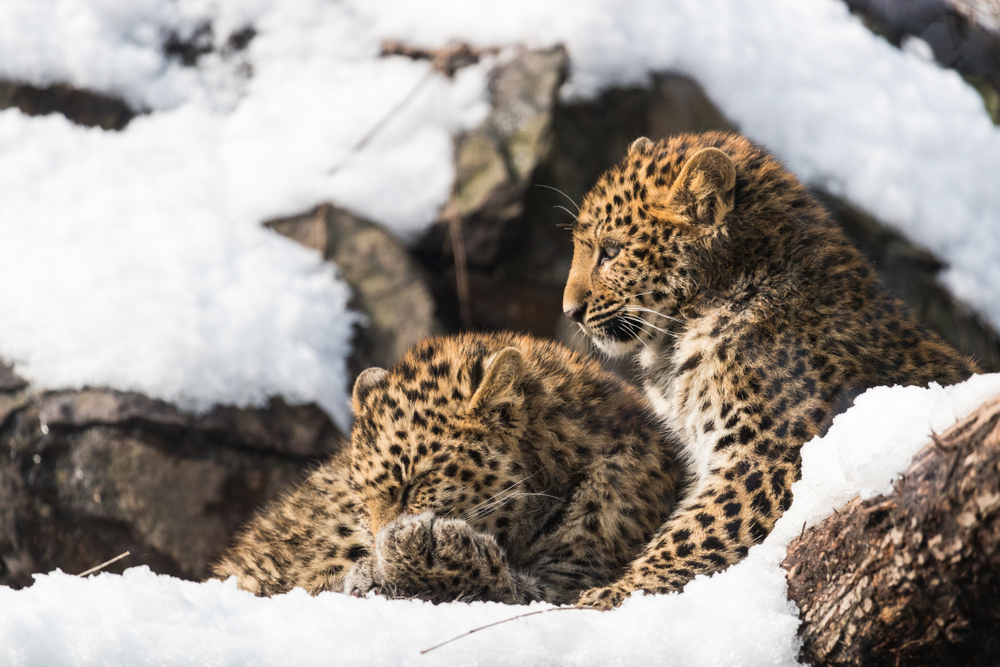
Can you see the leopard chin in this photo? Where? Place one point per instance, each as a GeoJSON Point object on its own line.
{"type": "Point", "coordinates": [613, 347]}
{"type": "Point", "coordinates": [614, 336]}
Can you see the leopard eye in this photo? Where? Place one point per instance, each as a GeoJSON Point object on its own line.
{"type": "Point", "coordinates": [608, 252]}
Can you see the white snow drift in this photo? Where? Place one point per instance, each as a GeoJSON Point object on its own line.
{"type": "Point", "coordinates": [136, 259]}
{"type": "Point", "coordinates": [738, 617]}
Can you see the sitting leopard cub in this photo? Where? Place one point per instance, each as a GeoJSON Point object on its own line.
{"type": "Point", "coordinates": [754, 321]}
{"type": "Point", "coordinates": [482, 467]}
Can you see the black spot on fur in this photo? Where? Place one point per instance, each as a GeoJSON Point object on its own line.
{"type": "Point", "coordinates": [690, 363]}
{"type": "Point", "coordinates": [476, 374]}
{"type": "Point", "coordinates": [725, 441]}
{"type": "Point", "coordinates": [713, 544]}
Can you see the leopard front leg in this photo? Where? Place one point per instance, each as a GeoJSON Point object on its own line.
{"type": "Point", "coordinates": [743, 438]}
{"type": "Point", "coordinates": [440, 560]}
{"type": "Point", "coordinates": [735, 508]}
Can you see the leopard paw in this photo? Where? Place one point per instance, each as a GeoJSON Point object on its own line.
{"type": "Point", "coordinates": [604, 598]}
{"type": "Point", "coordinates": [360, 579]}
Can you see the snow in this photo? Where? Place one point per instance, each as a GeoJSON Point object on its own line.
{"type": "Point", "coordinates": [738, 617]}
{"type": "Point", "coordinates": [136, 259]}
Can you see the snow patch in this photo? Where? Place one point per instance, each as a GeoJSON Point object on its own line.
{"type": "Point", "coordinates": [134, 259]}
{"type": "Point", "coordinates": [738, 617]}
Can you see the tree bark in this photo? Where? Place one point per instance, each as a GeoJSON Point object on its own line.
{"type": "Point", "coordinates": [912, 578]}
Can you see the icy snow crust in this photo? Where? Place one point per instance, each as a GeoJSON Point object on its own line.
{"type": "Point", "coordinates": [136, 259]}
{"type": "Point", "coordinates": [738, 617]}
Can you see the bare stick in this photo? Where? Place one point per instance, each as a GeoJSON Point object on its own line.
{"type": "Point", "coordinates": [395, 110]}
{"type": "Point", "coordinates": [508, 620]}
{"type": "Point", "coordinates": [447, 61]}
{"type": "Point", "coordinates": [319, 229]}
{"type": "Point", "coordinates": [388, 117]}
{"type": "Point", "coordinates": [105, 564]}
{"type": "Point", "coordinates": [461, 268]}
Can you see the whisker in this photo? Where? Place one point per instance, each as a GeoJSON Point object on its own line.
{"type": "Point", "coordinates": [475, 512]}
{"type": "Point", "coordinates": [641, 294]}
{"type": "Point", "coordinates": [568, 211]}
{"type": "Point", "coordinates": [321, 475]}
{"type": "Point", "coordinates": [637, 336]}
{"type": "Point", "coordinates": [506, 499]}
{"type": "Point", "coordinates": [549, 187]}
{"type": "Point", "coordinates": [498, 493]}
{"type": "Point", "coordinates": [650, 310]}
{"type": "Point", "coordinates": [544, 495]}
{"type": "Point", "coordinates": [638, 318]}
{"type": "Point", "coordinates": [492, 507]}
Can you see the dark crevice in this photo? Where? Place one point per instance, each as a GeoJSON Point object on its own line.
{"type": "Point", "coordinates": [82, 107]}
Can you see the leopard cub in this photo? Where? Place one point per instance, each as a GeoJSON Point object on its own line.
{"type": "Point", "coordinates": [482, 467]}
{"type": "Point", "coordinates": [754, 322]}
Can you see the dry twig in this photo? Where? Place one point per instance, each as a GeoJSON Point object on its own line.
{"type": "Point", "coordinates": [105, 564]}
{"type": "Point", "coordinates": [447, 61]}
{"type": "Point", "coordinates": [508, 620]}
{"type": "Point", "coordinates": [461, 266]}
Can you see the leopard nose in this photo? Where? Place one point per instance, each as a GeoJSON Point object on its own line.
{"type": "Point", "coordinates": [575, 314]}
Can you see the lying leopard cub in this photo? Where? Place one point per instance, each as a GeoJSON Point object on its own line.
{"type": "Point", "coordinates": [487, 467]}
{"type": "Point", "coordinates": [754, 321]}
{"type": "Point", "coordinates": [309, 538]}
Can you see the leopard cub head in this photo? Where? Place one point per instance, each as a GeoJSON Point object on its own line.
{"type": "Point", "coordinates": [651, 236]}
{"type": "Point", "coordinates": [436, 433]}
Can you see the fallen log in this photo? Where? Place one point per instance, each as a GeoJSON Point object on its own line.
{"type": "Point", "coordinates": [911, 578]}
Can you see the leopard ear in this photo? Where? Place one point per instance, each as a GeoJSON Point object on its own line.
{"type": "Point", "coordinates": [365, 383]}
{"type": "Point", "coordinates": [705, 191]}
{"type": "Point", "coordinates": [640, 145]}
{"type": "Point", "coordinates": [499, 385]}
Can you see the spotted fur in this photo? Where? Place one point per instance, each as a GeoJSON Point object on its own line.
{"type": "Point", "coordinates": [482, 467]}
{"type": "Point", "coordinates": [309, 538]}
{"type": "Point", "coordinates": [754, 322]}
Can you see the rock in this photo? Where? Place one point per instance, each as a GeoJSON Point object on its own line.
{"type": "Point", "coordinates": [15, 563]}
{"type": "Point", "coordinates": [389, 286]}
{"type": "Point", "coordinates": [9, 380]}
{"type": "Point", "coordinates": [94, 109]}
{"type": "Point", "coordinates": [83, 107]}
{"type": "Point", "coordinates": [985, 13]}
{"type": "Point", "coordinates": [183, 507]}
{"type": "Point", "coordinates": [494, 162]}
{"type": "Point", "coordinates": [86, 475]}
{"type": "Point", "coordinates": [298, 430]}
